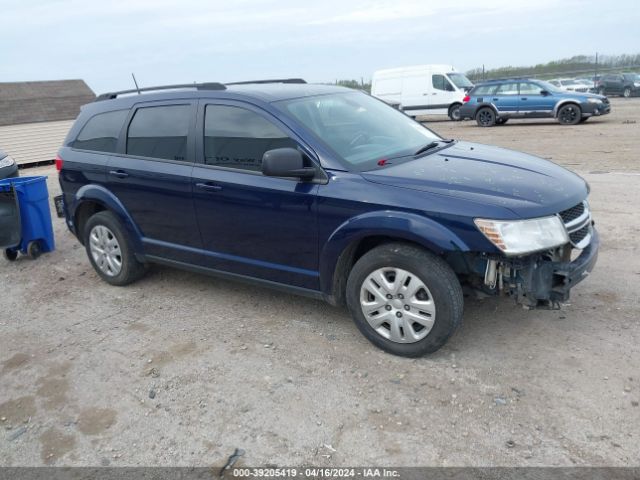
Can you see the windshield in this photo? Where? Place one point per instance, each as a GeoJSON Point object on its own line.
{"type": "Point", "coordinates": [549, 87]}
{"type": "Point", "coordinates": [360, 129]}
{"type": "Point", "coordinates": [459, 80]}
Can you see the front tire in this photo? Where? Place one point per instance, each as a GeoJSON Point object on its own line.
{"type": "Point", "coordinates": [454, 112]}
{"type": "Point", "coordinates": [109, 250]}
{"type": "Point", "coordinates": [626, 93]}
{"type": "Point", "coordinates": [486, 117]}
{"type": "Point", "coordinates": [404, 299]}
{"type": "Point", "coordinates": [569, 114]}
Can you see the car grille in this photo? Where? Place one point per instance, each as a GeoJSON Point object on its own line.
{"type": "Point", "coordinates": [579, 235]}
{"type": "Point", "coordinates": [572, 213]}
{"type": "Point", "coordinates": [577, 221]}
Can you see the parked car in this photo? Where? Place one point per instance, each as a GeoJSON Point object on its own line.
{"type": "Point", "coordinates": [326, 192]}
{"type": "Point", "coordinates": [8, 166]}
{"type": "Point", "coordinates": [422, 89]}
{"type": "Point", "coordinates": [570, 85]}
{"type": "Point", "coordinates": [495, 102]}
{"type": "Point", "coordinates": [625, 84]}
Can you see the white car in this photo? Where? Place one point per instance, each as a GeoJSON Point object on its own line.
{"type": "Point", "coordinates": [570, 85]}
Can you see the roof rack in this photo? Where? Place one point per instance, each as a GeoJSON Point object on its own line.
{"type": "Point", "coordinates": [197, 86]}
{"type": "Point", "coordinates": [277, 80]}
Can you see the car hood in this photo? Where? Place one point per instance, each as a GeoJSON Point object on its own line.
{"type": "Point", "coordinates": [529, 186]}
{"type": "Point", "coordinates": [582, 95]}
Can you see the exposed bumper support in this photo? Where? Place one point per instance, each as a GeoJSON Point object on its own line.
{"type": "Point", "coordinates": [543, 283]}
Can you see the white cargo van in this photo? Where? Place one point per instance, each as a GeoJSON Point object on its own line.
{"type": "Point", "coordinates": [422, 89]}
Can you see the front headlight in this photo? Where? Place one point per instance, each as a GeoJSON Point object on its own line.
{"type": "Point", "coordinates": [7, 162]}
{"type": "Point", "coordinates": [637, 84]}
{"type": "Point", "coordinates": [594, 100]}
{"type": "Point", "coordinates": [520, 237]}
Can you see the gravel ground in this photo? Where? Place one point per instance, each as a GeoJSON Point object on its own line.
{"type": "Point", "coordinates": [180, 369]}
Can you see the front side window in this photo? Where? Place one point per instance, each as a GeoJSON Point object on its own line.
{"type": "Point", "coordinates": [507, 89]}
{"type": "Point", "coordinates": [101, 132]}
{"type": "Point", "coordinates": [360, 129]}
{"type": "Point", "coordinates": [160, 132]}
{"type": "Point", "coordinates": [529, 88]}
{"type": "Point", "coordinates": [235, 137]}
{"type": "Point", "coordinates": [440, 82]}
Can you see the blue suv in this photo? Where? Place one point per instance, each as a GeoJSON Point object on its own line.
{"type": "Point", "coordinates": [495, 102]}
{"type": "Point", "coordinates": [321, 191]}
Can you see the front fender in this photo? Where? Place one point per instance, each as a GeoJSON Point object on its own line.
{"type": "Point", "coordinates": [399, 225]}
{"type": "Point", "coordinates": [103, 197]}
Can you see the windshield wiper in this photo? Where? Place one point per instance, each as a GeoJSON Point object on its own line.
{"type": "Point", "coordinates": [431, 145]}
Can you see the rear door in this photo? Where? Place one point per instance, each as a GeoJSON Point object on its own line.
{"type": "Point", "coordinates": [506, 98]}
{"type": "Point", "coordinates": [416, 94]}
{"type": "Point", "coordinates": [151, 175]}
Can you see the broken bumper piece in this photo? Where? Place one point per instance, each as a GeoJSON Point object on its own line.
{"type": "Point", "coordinates": [544, 283]}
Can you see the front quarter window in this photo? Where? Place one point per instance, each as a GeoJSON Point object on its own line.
{"type": "Point", "coordinates": [360, 129]}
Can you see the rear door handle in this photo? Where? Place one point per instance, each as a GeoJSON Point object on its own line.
{"type": "Point", "coordinates": [119, 173]}
{"type": "Point", "coordinates": [209, 187]}
{"type": "Point", "coordinates": [523, 98]}
{"type": "Point", "coordinates": [496, 99]}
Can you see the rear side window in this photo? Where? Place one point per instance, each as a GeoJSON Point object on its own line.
{"type": "Point", "coordinates": [101, 132]}
{"type": "Point", "coordinates": [484, 90]}
{"type": "Point", "coordinates": [235, 137]}
{"type": "Point", "coordinates": [160, 132]}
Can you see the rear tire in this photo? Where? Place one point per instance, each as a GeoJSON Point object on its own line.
{"type": "Point", "coordinates": [454, 112]}
{"type": "Point", "coordinates": [569, 114]}
{"type": "Point", "coordinates": [486, 117]}
{"type": "Point", "coordinates": [34, 250]}
{"type": "Point", "coordinates": [109, 250]}
{"type": "Point", "coordinates": [626, 93]}
{"type": "Point", "coordinates": [413, 326]}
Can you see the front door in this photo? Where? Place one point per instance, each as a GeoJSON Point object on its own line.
{"type": "Point", "coordinates": [251, 224]}
{"type": "Point", "coordinates": [151, 175]}
{"type": "Point", "coordinates": [533, 103]}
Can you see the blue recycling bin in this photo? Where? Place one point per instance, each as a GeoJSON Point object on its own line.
{"type": "Point", "coordinates": [25, 217]}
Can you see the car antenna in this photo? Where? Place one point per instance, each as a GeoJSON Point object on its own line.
{"type": "Point", "coordinates": [135, 82]}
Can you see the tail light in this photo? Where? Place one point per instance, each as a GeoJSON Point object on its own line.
{"type": "Point", "coordinates": [59, 163]}
{"type": "Point", "coordinates": [466, 99]}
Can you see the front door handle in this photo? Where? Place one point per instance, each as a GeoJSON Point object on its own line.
{"type": "Point", "coordinates": [118, 173]}
{"type": "Point", "coordinates": [496, 99]}
{"type": "Point", "coordinates": [523, 98]}
{"type": "Point", "coordinates": [209, 187]}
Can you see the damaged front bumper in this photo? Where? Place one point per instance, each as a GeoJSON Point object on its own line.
{"type": "Point", "coordinates": [540, 282]}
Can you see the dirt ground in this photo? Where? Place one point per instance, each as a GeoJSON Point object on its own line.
{"type": "Point", "coordinates": [180, 369]}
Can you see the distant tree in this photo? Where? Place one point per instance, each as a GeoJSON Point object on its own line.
{"type": "Point", "coordinates": [574, 66]}
{"type": "Point", "coordinates": [355, 84]}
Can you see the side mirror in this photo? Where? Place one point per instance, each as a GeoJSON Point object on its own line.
{"type": "Point", "coordinates": [544, 93]}
{"type": "Point", "coordinates": [285, 162]}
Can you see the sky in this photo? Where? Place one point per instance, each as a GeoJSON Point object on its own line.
{"type": "Point", "coordinates": [167, 42]}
